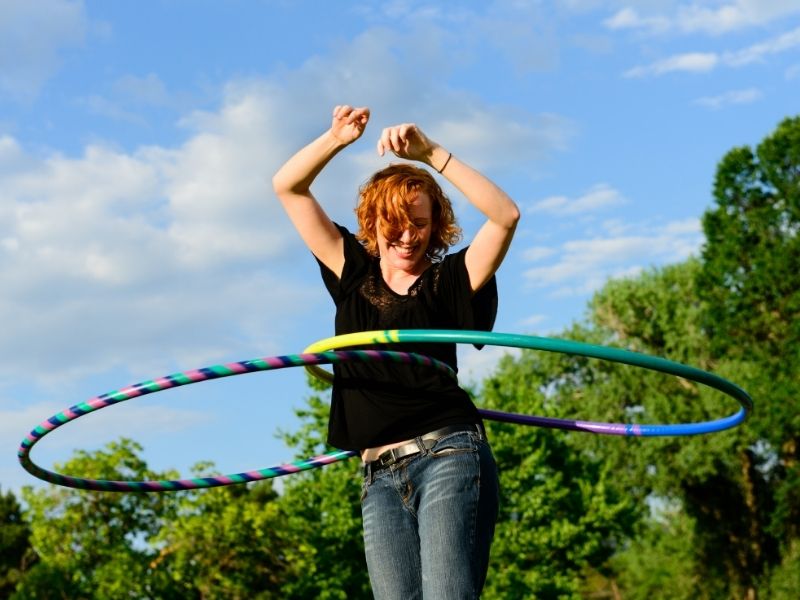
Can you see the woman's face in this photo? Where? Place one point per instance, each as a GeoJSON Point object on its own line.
{"type": "Point", "coordinates": [407, 252]}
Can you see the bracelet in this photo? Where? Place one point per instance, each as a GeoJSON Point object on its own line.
{"type": "Point", "coordinates": [449, 156]}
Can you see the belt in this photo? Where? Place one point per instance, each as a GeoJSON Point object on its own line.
{"type": "Point", "coordinates": [427, 441]}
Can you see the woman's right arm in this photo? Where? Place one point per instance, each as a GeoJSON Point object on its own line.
{"type": "Point", "coordinates": [292, 185]}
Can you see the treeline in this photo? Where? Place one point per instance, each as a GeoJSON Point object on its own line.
{"type": "Point", "coordinates": [582, 516]}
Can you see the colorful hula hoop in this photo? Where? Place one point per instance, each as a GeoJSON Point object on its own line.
{"type": "Point", "coordinates": [370, 338]}
{"type": "Point", "coordinates": [322, 352]}
{"type": "Point", "coordinates": [197, 376]}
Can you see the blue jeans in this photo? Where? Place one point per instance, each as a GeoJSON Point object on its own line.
{"type": "Point", "coordinates": [429, 521]}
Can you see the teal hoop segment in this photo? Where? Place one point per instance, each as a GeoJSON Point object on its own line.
{"type": "Point", "coordinates": [511, 340]}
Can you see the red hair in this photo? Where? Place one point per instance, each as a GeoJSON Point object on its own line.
{"type": "Point", "coordinates": [388, 195]}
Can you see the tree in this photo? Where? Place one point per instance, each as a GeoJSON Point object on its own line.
{"type": "Point", "coordinates": [751, 282]}
{"type": "Point", "coordinates": [720, 482]}
{"type": "Point", "coordinates": [560, 513]}
{"type": "Point", "coordinates": [95, 544]}
{"type": "Point", "coordinates": [16, 554]}
{"type": "Point", "coordinates": [659, 561]}
{"type": "Point", "coordinates": [751, 274]}
{"type": "Point", "coordinates": [784, 581]}
{"type": "Point", "coordinates": [751, 258]}
{"type": "Point", "coordinates": [225, 543]}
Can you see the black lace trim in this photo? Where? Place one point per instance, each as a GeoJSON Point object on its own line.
{"type": "Point", "coordinates": [374, 289]}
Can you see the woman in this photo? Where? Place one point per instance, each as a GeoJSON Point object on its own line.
{"type": "Point", "coordinates": [430, 492]}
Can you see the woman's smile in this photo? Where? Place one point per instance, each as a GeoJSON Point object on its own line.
{"type": "Point", "coordinates": [407, 252]}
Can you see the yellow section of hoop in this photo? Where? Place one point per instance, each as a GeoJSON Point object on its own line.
{"type": "Point", "coordinates": [347, 340]}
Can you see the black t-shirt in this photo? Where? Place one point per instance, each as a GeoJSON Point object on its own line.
{"type": "Point", "coordinates": [380, 403]}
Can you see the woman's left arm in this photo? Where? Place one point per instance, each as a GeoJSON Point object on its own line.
{"type": "Point", "coordinates": [490, 244]}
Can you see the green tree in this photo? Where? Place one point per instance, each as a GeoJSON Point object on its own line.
{"type": "Point", "coordinates": [720, 481]}
{"type": "Point", "coordinates": [96, 544]}
{"type": "Point", "coordinates": [16, 554]}
{"type": "Point", "coordinates": [751, 283]}
{"type": "Point", "coordinates": [228, 542]}
{"type": "Point", "coordinates": [751, 258]}
{"type": "Point", "coordinates": [659, 561]}
{"type": "Point", "coordinates": [225, 543]}
{"type": "Point", "coordinates": [784, 580]}
{"type": "Point", "coordinates": [560, 512]}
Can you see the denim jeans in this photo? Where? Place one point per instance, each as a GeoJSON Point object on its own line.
{"type": "Point", "coordinates": [429, 521]}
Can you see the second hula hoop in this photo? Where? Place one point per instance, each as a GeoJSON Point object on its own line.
{"type": "Point", "coordinates": [618, 355]}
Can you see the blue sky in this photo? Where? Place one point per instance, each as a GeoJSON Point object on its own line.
{"type": "Point", "coordinates": [139, 235]}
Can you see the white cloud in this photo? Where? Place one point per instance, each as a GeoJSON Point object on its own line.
{"type": "Point", "coordinates": [537, 253]}
{"type": "Point", "coordinates": [691, 62]}
{"type": "Point", "coordinates": [629, 18]}
{"type": "Point", "coordinates": [521, 32]}
{"type": "Point", "coordinates": [757, 52]}
{"type": "Point", "coordinates": [597, 198]}
{"type": "Point", "coordinates": [584, 265]}
{"type": "Point", "coordinates": [139, 260]}
{"type": "Point", "coordinates": [31, 36]}
{"type": "Point", "coordinates": [689, 226]}
{"type": "Point", "coordinates": [704, 62]}
{"type": "Point", "coordinates": [111, 259]}
{"type": "Point", "coordinates": [104, 107]}
{"type": "Point", "coordinates": [732, 16]}
{"type": "Point", "coordinates": [747, 96]}
{"type": "Point", "coordinates": [133, 98]}
{"type": "Point", "coordinates": [617, 227]}
{"type": "Point", "coordinates": [698, 17]}
{"type": "Point", "coordinates": [485, 137]}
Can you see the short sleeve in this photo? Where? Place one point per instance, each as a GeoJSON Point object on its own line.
{"type": "Point", "coordinates": [356, 262]}
{"type": "Point", "coordinates": [467, 310]}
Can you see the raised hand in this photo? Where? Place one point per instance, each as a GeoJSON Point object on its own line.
{"type": "Point", "coordinates": [348, 123]}
{"type": "Point", "coordinates": [406, 141]}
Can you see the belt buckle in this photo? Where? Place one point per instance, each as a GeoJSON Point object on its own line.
{"type": "Point", "coordinates": [394, 456]}
{"type": "Point", "coordinates": [384, 460]}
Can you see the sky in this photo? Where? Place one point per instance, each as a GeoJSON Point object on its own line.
{"type": "Point", "coordinates": [139, 234]}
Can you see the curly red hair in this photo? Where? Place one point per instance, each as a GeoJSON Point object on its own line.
{"type": "Point", "coordinates": [387, 196]}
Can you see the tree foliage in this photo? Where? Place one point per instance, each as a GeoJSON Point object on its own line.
{"type": "Point", "coordinates": [718, 482]}
{"type": "Point", "coordinates": [751, 258]}
{"type": "Point", "coordinates": [559, 513]}
{"type": "Point", "coordinates": [751, 262]}
{"type": "Point", "coordinates": [16, 554]}
{"type": "Point", "coordinates": [751, 283]}
{"type": "Point", "coordinates": [95, 544]}
{"type": "Point", "coordinates": [224, 543]}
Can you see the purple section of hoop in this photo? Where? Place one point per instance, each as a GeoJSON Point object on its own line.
{"type": "Point", "coordinates": [570, 425]}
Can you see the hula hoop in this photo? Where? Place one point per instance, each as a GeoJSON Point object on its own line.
{"type": "Point", "coordinates": [197, 376]}
{"type": "Point", "coordinates": [321, 352]}
{"type": "Point", "coordinates": [653, 363]}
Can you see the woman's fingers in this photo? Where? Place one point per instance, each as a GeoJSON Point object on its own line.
{"type": "Point", "coordinates": [350, 114]}
{"type": "Point", "coordinates": [341, 111]}
{"type": "Point", "coordinates": [360, 115]}
{"type": "Point", "coordinates": [405, 140]}
{"type": "Point", "coordinates": [348, 122]}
